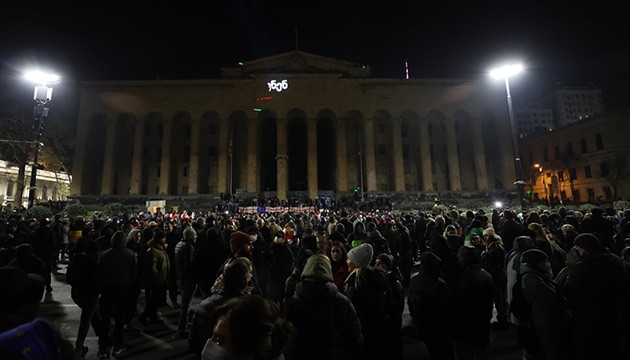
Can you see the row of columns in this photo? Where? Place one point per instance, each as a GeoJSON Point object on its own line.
{"type": "Point", "coordinates": [109, 161]}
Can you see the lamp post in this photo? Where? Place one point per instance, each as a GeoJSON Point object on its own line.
{"type": "Point", "coordinates": [504, 73]}
{"type": "Point", "coordinates": [42, 95]}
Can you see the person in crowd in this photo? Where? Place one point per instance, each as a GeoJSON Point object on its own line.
{"type": "Point", "coordinates": [493, 261]}
{"type": "Point", "coordinates": [82, 275]}
{"type": "Point", "coordinates": [472, 307]}
{"type": "Point", "coordinates": [236, 276]}
{"type": "Point", "coordinates": [547, 243]}
{"type": "Point", "coordinates": [450, 268]}
{"type": "Point", "coordinates": [211, 251]}
{"type": "Point", "coordinates": [261, 255]}
{"type": "Point", "coordinates": [293, 279]}
{"type": "Point", "coordinates": [366, 287]}
{"type": "Point", "coordinates": [26, 259]}
{"type": "Point", "coordinates": [184, 258]}
{"type": "Point", "coordinates": [172, 239]}
{"type": "Point", "coordinates": [21, 296]}
{"type": "Point", "coordinates": [453, 239]}
{"type": "Point", "coordinates": [338, 259]}
{"type": "Point", "coordinates": [573, 256]}
{"type": "Point", "coordinates": [394, 305]}
{"type": "Point", "coordinates": [431, 307]}
{"type": "Point", "coordinates": [548, 308]}
{"type": "Point", "coordinates": [376, 240]}
{"type": "Point", "coordinates": [117, 270]}
{"type": "Point", "coordinates": [44, 246]}
{"type": "Point", "coordinates": [598, 293]}
{"type": "Point", "coordinates": [325, 321]}
{"type": "Point", "coordinates": [156, 270]}
{"type": "Point", "coordinates": [510, 229]}
{"type": "Point", "coordinates": [358, 235]}
{"type": "Point", "coordinates": [512, 264]}
{"type": "Point", "coordinates": [280, 260]}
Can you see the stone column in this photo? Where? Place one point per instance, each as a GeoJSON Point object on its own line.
{"type": "Point", "coordinates": [79, 157]}
{"type": "Point", "coordinates": [107, 186]}
{"type": "Point", "coordinates": [425, 155]}
{"type": "Point", "coordinates": [193, 166]}
{"type": "Point", "coordinates": [165, 163]}
{"type": "Point", "coordinates": [283, 159]}
{"type": "Point", "coordinates": [399, 168]}
{"type": "Point", "coordinates": [311, 150]}
{"type": "Point", "coordinates": [368, 154]}
{"type": "Point", "coordinates": [136, 160]}
{"type": "Point", "coordinates": [341, 163]}
{"type": "Point", "coordinates": [479, 156]}
{"type": "Point", "coordinates": [224, 156]}
{"type": "Point", "coordinates": [252, 156]}
{"type": "Point", "coordinates": [452, 155]}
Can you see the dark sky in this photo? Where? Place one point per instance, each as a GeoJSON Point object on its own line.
{"type": "Point", "coordinates": [571, 43]}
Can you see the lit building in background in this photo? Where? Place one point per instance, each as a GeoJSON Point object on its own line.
{"type": "Point", "coordinates": [50, 185]}
{"type": "Point", "coordinates": [291, 124]}
{"type": "Point", "coordinates": [576, 103]}
{"type": "Point", "coordinates": [586, 161]}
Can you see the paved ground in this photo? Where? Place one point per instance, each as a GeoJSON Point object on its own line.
{"type": "Point", "coordinates": [160, 343]}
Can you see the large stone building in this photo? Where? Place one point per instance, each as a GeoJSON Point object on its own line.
{"type": "Point", "coordinates": [586, 161]}
{"type": "Point", "coordinates": [292, 123]}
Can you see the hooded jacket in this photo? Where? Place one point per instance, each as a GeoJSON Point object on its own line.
{"type": "Point", "coordinates": [356, 238]}
{"type": "Point", "coordinates": [157, 265]}
{"type": "Point", "coordinates": [117, 265]}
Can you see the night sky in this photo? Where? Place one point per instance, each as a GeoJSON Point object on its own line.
{"type": "Point", "coordinates": [570, 43]}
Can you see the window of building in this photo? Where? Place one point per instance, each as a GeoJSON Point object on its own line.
{"type": "Point", "coordinates": [145, 152]}
{"type": "Point", "coordinates": [212, 151]}
{"type": "Point", "coordinates": [569, 149]}
{"type": "Point", "coordinates": [404, 129]}
{"type": "Point", "coordinates": [587, 172]}
{"type": "Point", "coordinates": [607, 193]}
{"type": "Point", "coordinates": [380, 128]}
{"type": "Point", "coordinates": [188, 132]}
{"type": "Point", "coordinates": [572, 174]}
{"type": "Point", "coordinates": [583, 146]}
{"type": "Point", "coordinates": [576, 196]}
{"type": "Point", "coordinates": [212, 130]}
{"type": "Point", "coordinates": [161, 131]}
{"type": "Point", "coordinates": [186, 153]}
{"type": "Point", "coordinates": [599, 142]}
{"type": "Point", "coordinates": [405, 151]}
{"type": "Point", "coordinates": [184, 190]}
{"type": "Point", "coordinates": [381, 149]}
{"type": "Point", "coordinates": [158, 171]}
{"type": "Point", "coordinates": [381, 169]}
{"type": "Point", "coordinates": [603, 169]}
{"type": "Point", "coordinates": [157, 190]}
{"type": "Point", "coordinates": [407, 167]}
{"type": "Point", "coordinates": [10, 188]}
{"type": "Point", "coordinates": [185, 171]}
{"type": "Point", "coordinates": [591, 194]}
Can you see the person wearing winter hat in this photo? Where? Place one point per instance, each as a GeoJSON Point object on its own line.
{"type": "Point", "coordinates": [550, 330]}
{"type": "Point", "coordinates": [366, 287]}
{"type": "Point", "coordinates": [326, 323]}
{"type": "Point", "coordinates": [587, 243]}
{"type": "Point", "coordinates": [184, 257]}
{"type": "Point", "coordinates": [598, 293]}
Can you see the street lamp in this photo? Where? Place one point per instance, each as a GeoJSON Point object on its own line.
{"type": "Point", "coordinates": [42, 95]}
{"type": "Point", "coordinates": [504, 73]}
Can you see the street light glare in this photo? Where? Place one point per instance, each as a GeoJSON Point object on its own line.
{"type": "Point", "coordinates": [41, 78]}
{"type": "Point", "coordinates": [505, 71]}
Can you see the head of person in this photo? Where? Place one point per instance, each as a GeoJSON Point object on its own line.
{"type": "Point", "coordinates": [384, 262]}
{"type": "Point", "coordinates": [240, 243]}
{"type": "Point", "coordinates": [360, 256]}
{"type": "Point", "coordinates": [159, 236]}
{"type": "Point", "coordinates": [475, 240]}
{"type": "Point", "coordinates": [189, 234]}
{"type": "Point", "coordinates": [337, 252]}
{"type": "Point", "coordinates": [317, 269]}
{"type": "Point", "coordinates": [587, 243]}
{"type": "Point", "coordinates": [236, 275]}
{"type": "Point", "coordinates": [537, 259]}
{"type": "Point", "coordinates": [168, 226]}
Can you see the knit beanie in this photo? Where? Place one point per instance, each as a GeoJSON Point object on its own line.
{"type": "Point", "coordinates": [533, 257]}
{"type": "Point", "coordinates": [238, 239]}
{"type": "Point", "coordinates": [189, 233]}
{"type": "Point", "coordinates": [317, 269]}
{"type": "Point", "coordinates": [588, 242]}
{"type": "Point", "coordinates": [387, 259]}
{"type": "Point", "coordinates": [361, 255]}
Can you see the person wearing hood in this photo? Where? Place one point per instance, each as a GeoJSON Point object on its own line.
{"type": "Point", "coordinates": [358, 235]}
{"type": "Point", "coordinates": [472, 301]}
{"type": "Point", "coordinates": [366, 287]}
{"type": "Point", "coordinates": [156, 269]}
{"type": "Point", "coordinates": [378, 242]}
{"type": "Point", "coordinates": [117, 269]}
{"type": "Point", "coordinates": [493, 260]}
{"type": "Point", "coordinates": [475, 228]}
{"type": "Point", "coordinates": [548, 307]}
{"type": "Point", "coordinates": [512, 263]}
{"type": "Point", "coordinates": [26, 259]}
{"type": "Point", "coordinates": [431, 306]}
{"type": "Point", "coordinates": [326, 323]}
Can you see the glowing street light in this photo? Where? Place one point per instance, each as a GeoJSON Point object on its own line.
{"type": "Point", "coordinates": [504, 73]}
{"type": "Point", "coordinates": [42, 95]}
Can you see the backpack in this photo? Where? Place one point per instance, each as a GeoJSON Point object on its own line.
{"type": "Point", "coordinates": [519, 306]}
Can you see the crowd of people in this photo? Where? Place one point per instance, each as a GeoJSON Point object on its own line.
{"type": "Point", "coordinates": [333, 285]}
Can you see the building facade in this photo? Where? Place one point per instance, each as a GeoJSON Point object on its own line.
{"type": "Point", "coordinates": [291, 123]}
{"type": "Point", "coordinates": [53, 186]}
{"type": "Point", "coordinates": [586, 161]}
{"type": "Point", "coordinates": [576, 103]}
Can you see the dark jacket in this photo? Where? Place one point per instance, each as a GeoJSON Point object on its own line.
{"type": "Point", "coordinates": [82, 275]}
{"type": "Point", "coordinates": [326, 322]}
{"type": "Point", "coordinates": [117, 265]}
{"type": "Point", "coordinates": [211, 253]}
{"type": "Point", "coordinates": [184, 258]}
{"type": "Point", "coordinates": [156, 264]}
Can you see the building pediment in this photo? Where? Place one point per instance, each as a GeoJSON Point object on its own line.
{"type": "Point", "coordinates": [297, 62]}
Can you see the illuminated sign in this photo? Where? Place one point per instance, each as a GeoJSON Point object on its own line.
{"type": "Point", "coordinates": [278, 85]}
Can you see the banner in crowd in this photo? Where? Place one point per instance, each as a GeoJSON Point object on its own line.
{"type": "Point", "coordinates": [275, 209]}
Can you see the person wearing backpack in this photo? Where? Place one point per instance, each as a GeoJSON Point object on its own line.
{"type": "Point", "coordinates": [548, 305]}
